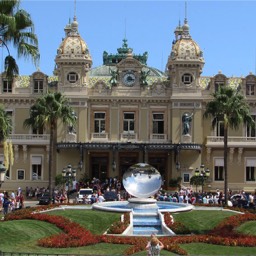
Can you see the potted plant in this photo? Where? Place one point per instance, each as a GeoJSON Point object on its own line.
{"type": "Point", "coordinates": [174, 183]}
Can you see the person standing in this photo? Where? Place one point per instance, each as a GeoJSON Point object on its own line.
{"type": "Point", "coordinates": [154, 247]}
{"type": "Point", "coordinates": [6, 203]}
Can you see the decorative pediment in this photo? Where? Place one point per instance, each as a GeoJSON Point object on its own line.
{"type": "Point", "coordinates": [101, 87]}
{"type": "Point", "coordinates": [158, 89]}
{"type": "Point", "coordinates": [129, 63]}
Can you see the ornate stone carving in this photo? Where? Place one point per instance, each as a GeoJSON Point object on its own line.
{"type": "Point", "coordinates": [25, 152]}
{"type": "Point", "coordinates": [208, 156]}
{"type": "Point", "coordinates": [231, 154]}
{"type": "Point", "coordinates": [239, 157]}
{"type": "Point", "coordinates": [16, 152]}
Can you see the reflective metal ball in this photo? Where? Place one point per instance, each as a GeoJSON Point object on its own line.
{"type": "Point", "coordinates": [142, 180]}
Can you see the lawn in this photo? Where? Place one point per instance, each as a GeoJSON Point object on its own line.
{"type": "Point", "coordinates": [22, 235]}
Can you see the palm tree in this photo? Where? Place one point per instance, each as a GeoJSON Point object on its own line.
{"type": "Point", "coordinates": [45, 113]}
{"type": "Point", "coordinates": [5, 130]}
{"type": "Point", "coordinates": [5, 124]}
{"type": "Point", "coordinates": [17, 28]}
{"type": "Point", "coordinates": [230, 106]}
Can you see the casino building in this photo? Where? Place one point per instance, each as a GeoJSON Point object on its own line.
{"type": "Point", "coordinates": [128, 112]}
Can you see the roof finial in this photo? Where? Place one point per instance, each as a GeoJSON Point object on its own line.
{"type": "Point", "coordinates": [186, 12]}
{"type": "Point", "coordinates": [74, 9]}
{"type": "Point", "coordinates": [125, 28]}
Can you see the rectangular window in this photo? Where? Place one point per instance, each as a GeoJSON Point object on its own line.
{"type": "Point", "coordinates": [7, 86]}
{"type": "Point", "coordinates": [99, 122]}
{"type": "Point", "coordinates": [21, 174]}
{"type": "Point", "coordinates": [251, 132]}
{"type": "Point", "coordinates": [129, 122]}
{"type": "Point", "coordinates": [38, 131]}
{"type": "Point", "coordinates": [217, 85]}
{"type": "Point", "coordinates": [38, 86]}
{"type": "Point", "coordinates": [186, 178]}
{"type": "Point", "coordinates": [220, 129]}
{"type": "Point", "coordinates": [36, 167]}
{"type": "Point", "coordinates": [219, 173]}
{"type": "Point", "coordinates": [158, 123]}
{"type": "Point", "coordinates": [250, 173]}
{"type": "Point", "coordinates": [250, 89]}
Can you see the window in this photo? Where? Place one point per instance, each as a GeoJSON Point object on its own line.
{"type": "Point", "coordinates": [99, 122]}
{"type": "Point", "coordinates": [217, 85]}
{"type": "Point", "coordinates": [38, 131]}
{"type": "Point", "coordinates": [187, 78]}
{"type": "Point", "coordinates": [250, 89]}
{"type": "Point", "coordinates": [186, 178]}
{"type": "Point", "coordinates": [7, 86]}
{"type": "Point", "coordinates": [251, 132]}
{"type": "Point", "coordinates": [219, 173]}
{"type": "Point", "coordinates": [220, 128]}
{"type": "Point", "coordinates": [36, 168]}
{"type": "Point", "coordinates": [21, 174]}
{"type": "Point", "coordinates": [250, 169]}
{"type": "Point", "coordinates": [158, 123]}
{"type": "Point", "coordinates": [72, 77]}
{"type": "Point", "coordinates": [129, 122]}
{"type": "Point", "coordinates": [219, 169]}
{"type": "Point", "coordinates": [38, 86]}
{"type": "Point", "coordinates": [250, 173]}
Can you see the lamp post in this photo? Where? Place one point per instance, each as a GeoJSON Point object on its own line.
{"type": "Point", "coordinates": [2, 173]}
{"type": "Point", "coordinates": [68, 173]}
{"type": "Point", "coordinates": [203, 173]}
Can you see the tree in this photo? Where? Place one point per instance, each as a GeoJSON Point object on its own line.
{"type": "Point", "coordinates": [230, 106]}
{"type": "Point", "coordinates": [5, 124]}
{"type": "Point", "coordinates": [5, 130]}
{"type": "Point", "coordinates": [17, 28]}
{"type": "Point", "coordinates": [196, 181]}
{"type": "Point", "coordinates": [45, 113]}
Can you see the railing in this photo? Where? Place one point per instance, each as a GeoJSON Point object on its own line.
{"type": "Point", "coordinates": [99, 136]}
{"type": "Point", "coordinates": [128, 136]}
{"type": "Point", "coordinates": [232, 141]}
{"type": "Point", "coordinates": [158, 137]}
{"type": "Point", "coordinates": [29, 138]}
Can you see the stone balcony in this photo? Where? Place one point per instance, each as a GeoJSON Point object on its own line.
{"type": "Point", "coordinates": [30, 139]}
{"type": "Point", "coordinates": [233, 141]}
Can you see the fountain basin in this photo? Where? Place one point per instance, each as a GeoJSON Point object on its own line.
{"type": "Point", "coordinates": [144, 206]}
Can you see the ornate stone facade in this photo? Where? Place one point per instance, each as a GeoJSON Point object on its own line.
{"type": "Point", "coordinates": [128, 112]}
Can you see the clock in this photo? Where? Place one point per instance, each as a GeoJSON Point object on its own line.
{"type": "Point", "coordinates": [129, 79]}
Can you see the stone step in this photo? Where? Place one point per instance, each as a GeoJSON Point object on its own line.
{"type": "Point", "coordinates": [146, 221]}
{"type": "Point", "coordinates": [147, 230]}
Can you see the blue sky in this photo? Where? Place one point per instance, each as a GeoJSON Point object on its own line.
{"type": "Point", "coordinates": [225, 31]}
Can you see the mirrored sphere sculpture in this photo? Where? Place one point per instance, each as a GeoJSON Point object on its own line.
{"type": "Point", "coordinates": [142, 180]}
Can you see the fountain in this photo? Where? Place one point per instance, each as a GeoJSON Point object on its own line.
{"type": "Point", "coordinates": [142, 181]}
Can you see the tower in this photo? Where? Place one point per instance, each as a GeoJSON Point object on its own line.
{"type": "Point", "coordinates": [185, 63]}
{"type": "Point", "coordinates": [73, 59]}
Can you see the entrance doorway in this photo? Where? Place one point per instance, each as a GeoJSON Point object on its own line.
{"type": "Point", "coordinates": [126, 160]}
{"type": "Point", "coordinates": [160, 163]}
{"type": "Point", "coordinates": [99, 167]}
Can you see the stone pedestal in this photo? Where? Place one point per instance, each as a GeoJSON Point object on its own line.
{"type": "Point", "coordinates": [71, 137]}
{"type": "Point", "coordinates": [186, 138]}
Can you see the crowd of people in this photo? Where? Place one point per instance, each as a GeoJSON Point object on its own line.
{"type": "Point", "coordinates": [15, 200]}
{"type": "Point", "coordinates": [12, 201]}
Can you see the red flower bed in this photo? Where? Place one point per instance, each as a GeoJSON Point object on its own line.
{"type": "Point", "coordinates": [75, 235]}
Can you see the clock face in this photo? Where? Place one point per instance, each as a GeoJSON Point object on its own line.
{"type": "Point", "coordinates": [129, 79]}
